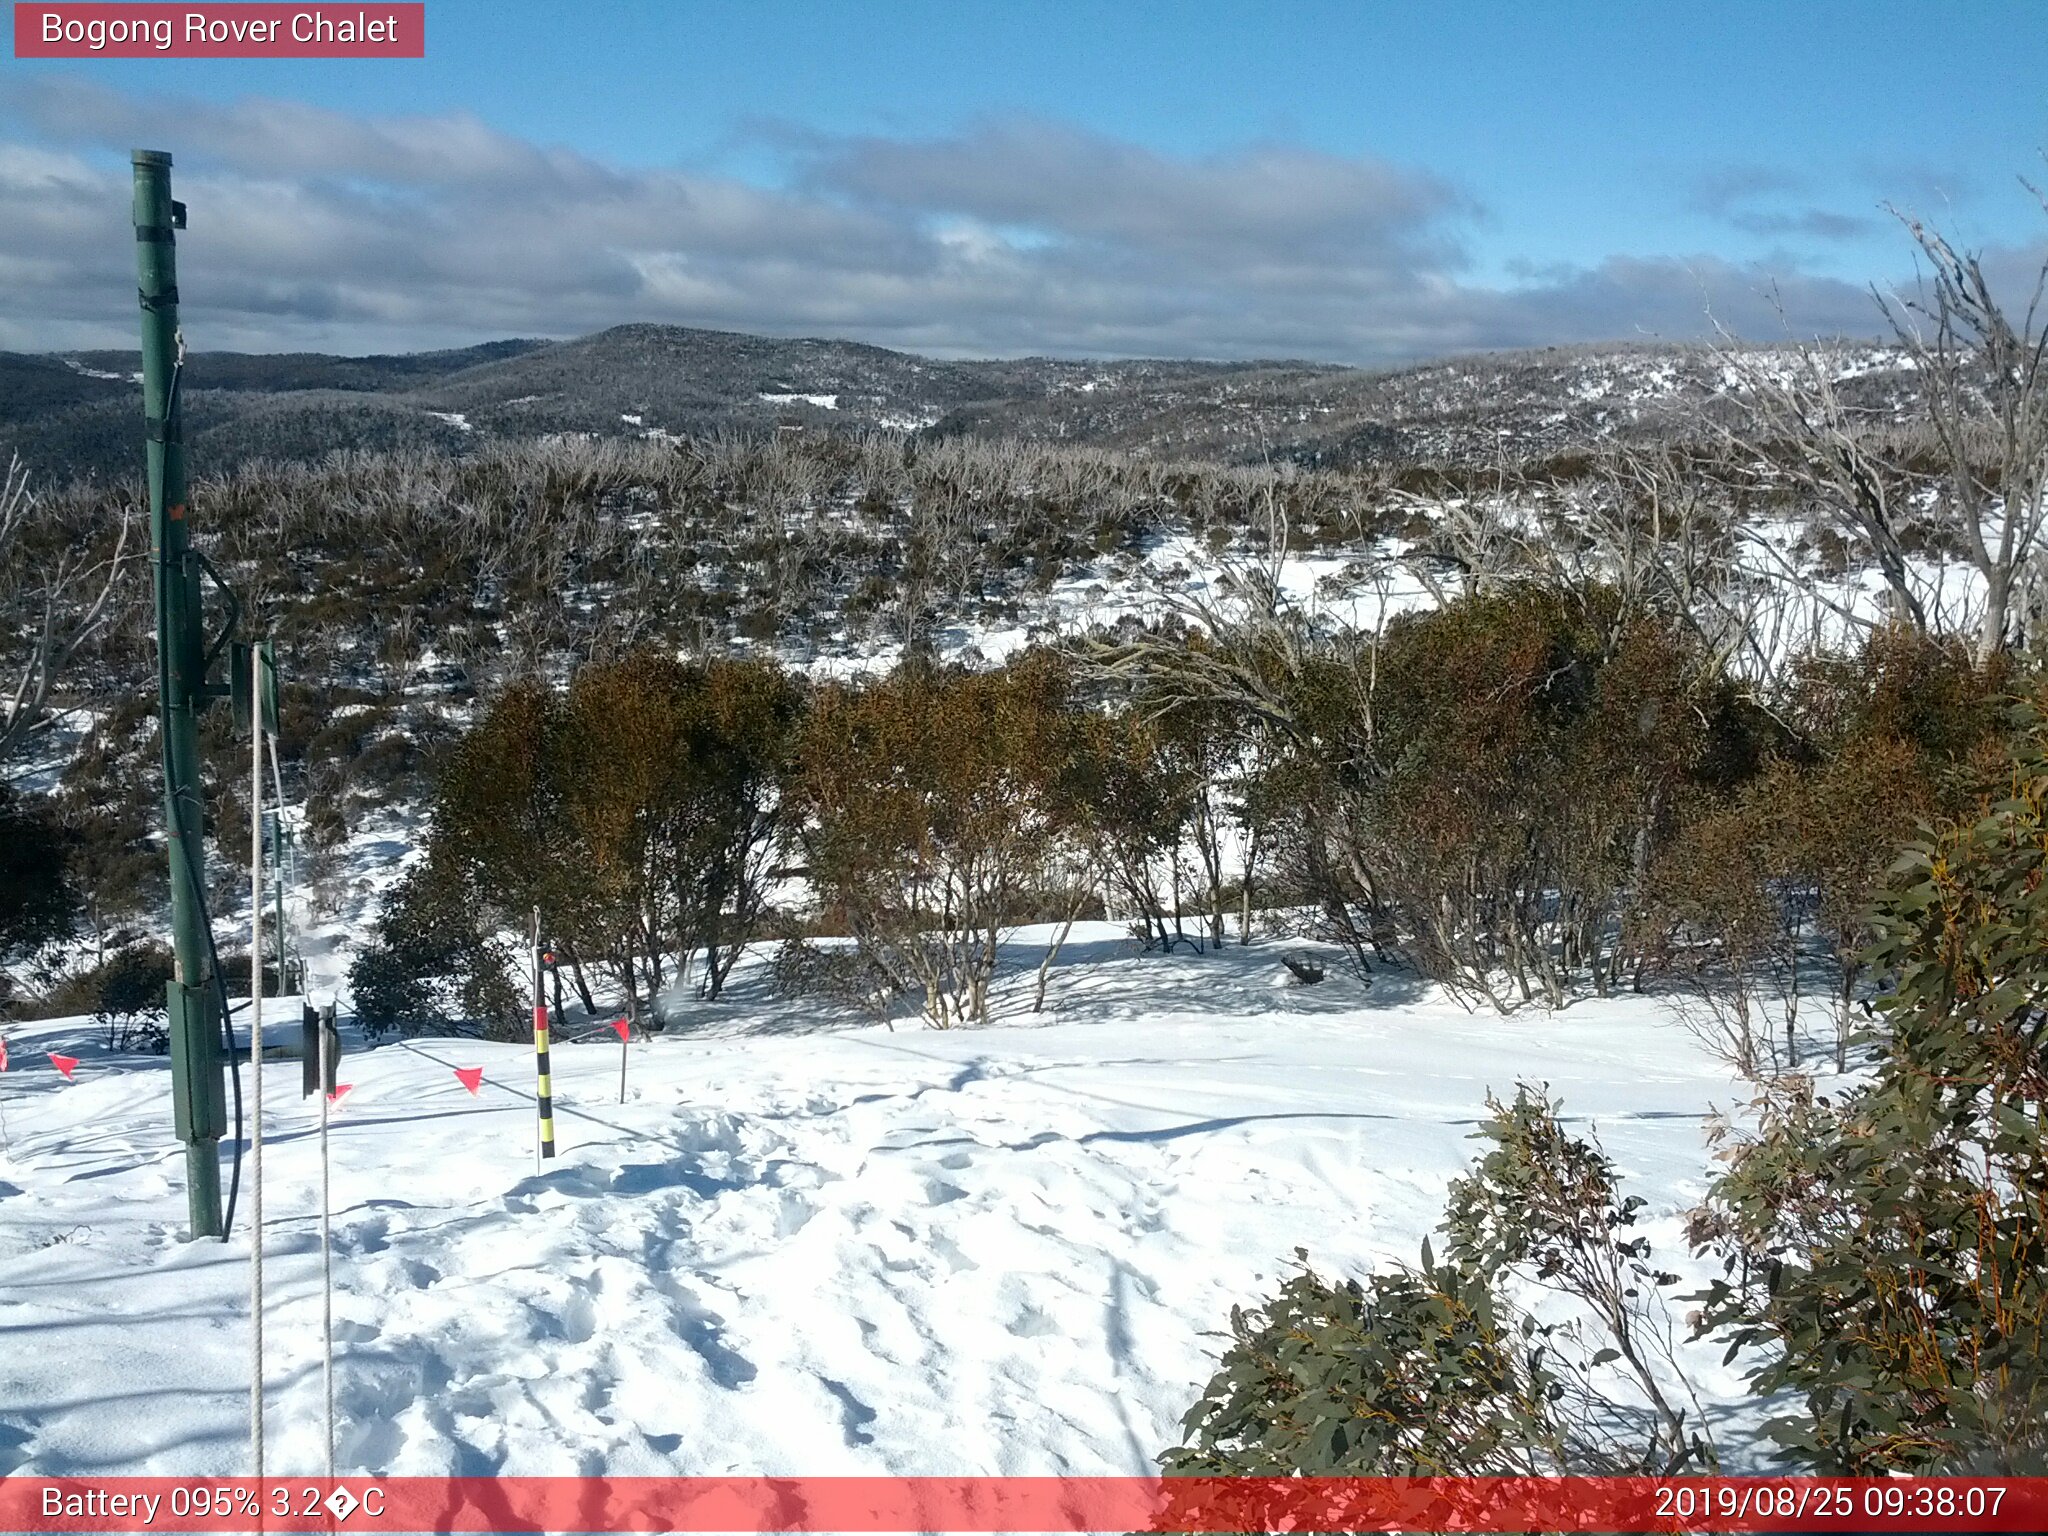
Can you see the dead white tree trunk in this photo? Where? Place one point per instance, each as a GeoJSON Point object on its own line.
{"type": "Point", "coordinates": [1987, 399]}
{"type": "Point", "coordinates": [1973, 464]}
{"type": "Point", "coordinates": [49, 607]}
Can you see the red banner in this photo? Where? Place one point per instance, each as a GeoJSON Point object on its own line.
{"type": "Point", "coordinates": [240, 31]}
{"type": "Point", "coordinates": [1014, 1504]}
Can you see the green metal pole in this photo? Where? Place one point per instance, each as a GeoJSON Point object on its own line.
{"type": "Point", "coordinates": [278, 838]}
{"type": "Point", "coordinates": [199, 1102]}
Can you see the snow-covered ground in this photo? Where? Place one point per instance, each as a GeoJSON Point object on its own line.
{"type": "Point", "coordinates": [798, 1246]}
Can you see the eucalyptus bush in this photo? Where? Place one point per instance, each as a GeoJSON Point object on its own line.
{"type": "Point", "coordinates": [1437, 1370]}
{"type": "Point", "coordinates": [1883, 1246]}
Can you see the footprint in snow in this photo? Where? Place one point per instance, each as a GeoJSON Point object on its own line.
{"type": "Point", "coordinates": [573, 1322]}
{"type": "Point", "coordinates": [14, 1440]}
{"type": "Point", "coordinates": [1030, 1323]}
{"type": "Point", "coordinates": [854, 1415]}
{"type": "Point", "coordinates": [418, 1274]}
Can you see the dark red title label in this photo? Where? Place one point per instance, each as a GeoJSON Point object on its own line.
{"type": "Point", "coordinates": [240, 31]}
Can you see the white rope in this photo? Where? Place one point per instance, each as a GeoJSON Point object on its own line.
{"type": "Point", "coordinates": [256, 1062]}
{"type": "Point", "coordinates": [326, 1256]}
{"type": "Point", "coordinates": [287, 874]}
{"type": "Point", "coordinates": [539, 1002]}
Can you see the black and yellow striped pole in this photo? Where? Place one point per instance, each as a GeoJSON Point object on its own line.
{"type": "Point", "coordinates": [545, 1089]}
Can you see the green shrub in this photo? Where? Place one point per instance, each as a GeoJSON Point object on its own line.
{"type": "Point", "coordinates": [129, 991]}
{"type": "Point", "coordinates": [37, 903]}
{"type": "Point", "coordinates": [1886, 1249]}
{"type": "Point", "coordinates": [1417, 1373]}
{"type": "Point", "coordinates": [1433, 1371]}
{"type": "Point", "coordinates": [429, 968]}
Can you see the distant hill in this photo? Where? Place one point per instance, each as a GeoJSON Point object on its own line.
{"type": "Point", "coordinates": [681, 380]}
{"type": "Point", "coordinates": [35, 388]}
{"type": "Point", "coordinates": [272, 372]}
{"type": "Point", "coordinates": [78, 413]}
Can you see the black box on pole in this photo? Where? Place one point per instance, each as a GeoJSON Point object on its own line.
{"type": "Point", "coordinates": [319, 1050]}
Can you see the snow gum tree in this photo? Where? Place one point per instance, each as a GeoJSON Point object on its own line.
{"type": "Point", "coordinates": [936, 810]}
{"type": "Point", "coordinates": [1972, 471]}
{"type": "Point", "coordinates": [637, 809]}
{"type": "Point", "coordinates": [1169, 782]}
{"type": "Point", "coordinates": [669, 779]}
{"type": "Point", "coordinates": [1767, 878]}
{"type": "Point", "coordinates": [1505, 770]}
{"type": "Point", "coordinates": [59, 587]}
{"type": "Point", "coordinates": [1885, 1248]}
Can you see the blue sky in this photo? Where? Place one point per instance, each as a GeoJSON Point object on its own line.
{"type": "Point", "coordinates": [1361, 181]}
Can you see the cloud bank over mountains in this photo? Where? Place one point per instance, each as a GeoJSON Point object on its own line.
{"type": "Point", "coordinates": [318, 230]}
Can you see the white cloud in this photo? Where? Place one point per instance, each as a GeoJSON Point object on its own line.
{"type": "Point", "coordinates": [318, 229]}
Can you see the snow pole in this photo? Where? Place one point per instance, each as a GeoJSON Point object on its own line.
{"type": "Point", "coordinates": [544, 1092]}
{"type": "Point", "coordinates": [327, 1093]}
{"type": "Point", "coordinates": [326, 1283]}
{"type": "Point", "coordinates": [255, 661]}
{"type": "Point", "coordinates": [623, 1028]}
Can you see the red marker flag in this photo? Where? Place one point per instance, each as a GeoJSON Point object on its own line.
{"type": "Point", "coordinates": [470, 1077]}
{"type": "Point", "coordinates": [3, 1053]}
{"type": "Point", "coordinates": [339, 1089]}
{"type": "Point", "coordinates": [622, 1029]}
{"type": "Point", "coordinates": [63, 1064]}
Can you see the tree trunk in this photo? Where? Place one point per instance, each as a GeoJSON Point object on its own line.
{"type": "Point", "coordinates": [1209, 848]}
{"type": "Point", "coordinates": [581, 981]}
{"type": "Point", "coordinates": [718, 964]}
{"type": "Point", "coordinates": [1053, 950]}
{"type": "Point", "coordinates": [1244, 896]}
{"type": "Point", "coordinates": [1843, 1003]}
{"type": "Point", "coordinates": [1997, 604]}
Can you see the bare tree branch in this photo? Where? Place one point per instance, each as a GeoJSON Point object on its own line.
{"type": "Point", "coordinates": [50, 605]}
{"type": "Point", "coordinates": [1979, 378]}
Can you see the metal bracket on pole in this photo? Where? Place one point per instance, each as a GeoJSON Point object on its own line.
{"type": "Point", "coordinates": [320, 1051]}
{"type": "Point", "coordinates": [242, 683]}
{"type": "Point", "coordinates": [198, 1102]}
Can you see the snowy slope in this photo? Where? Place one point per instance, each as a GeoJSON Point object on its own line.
{"type": "Point", "coordinates": [794, 1248]}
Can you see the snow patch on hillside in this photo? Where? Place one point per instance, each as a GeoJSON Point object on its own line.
{"type": "Point", "coordinates": [99, 373]}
